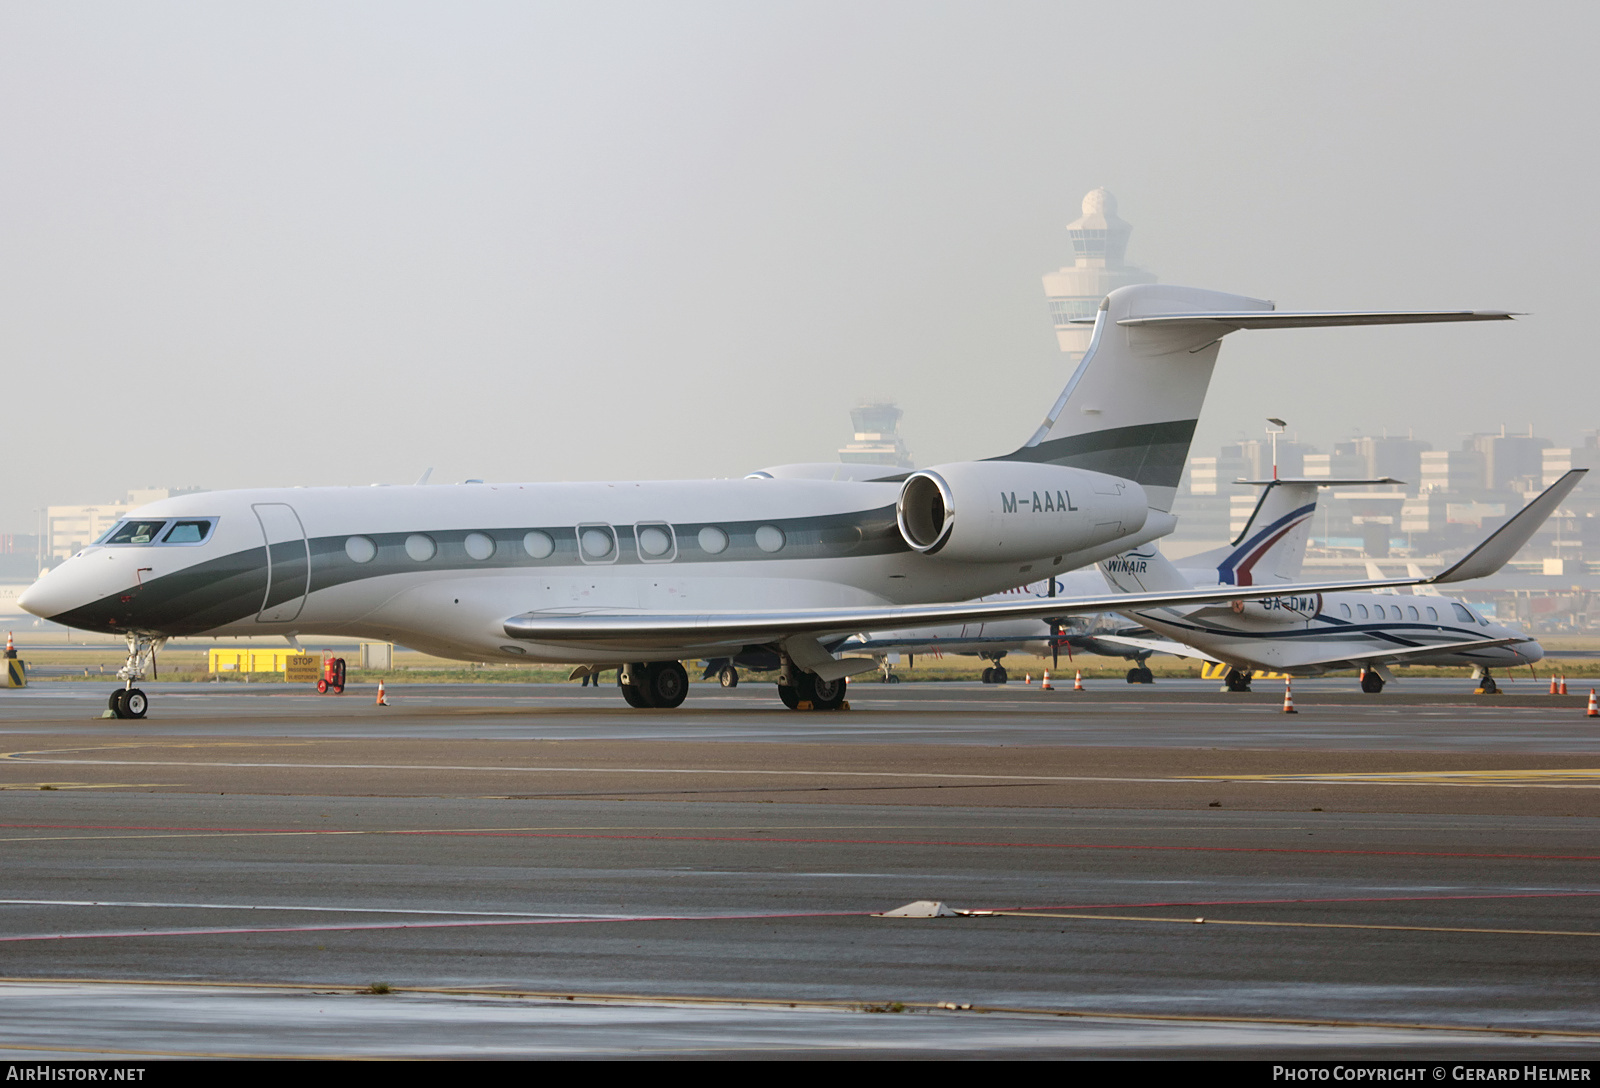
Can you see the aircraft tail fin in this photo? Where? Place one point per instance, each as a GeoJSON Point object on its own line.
{"type": "Point", "coordinates": [1272, 546]}
{"type": "Point", "coordinates": [1143, 570]}
{"type": "Point", "coordinates": [1131, 406]}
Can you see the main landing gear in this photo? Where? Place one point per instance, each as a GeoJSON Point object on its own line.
{"type": "Point", "coordinates": [1236, 681]}
{"type": "Point", "coordinates": [997, 674]}
{"type": "Point", "coordinates": [1371, 682]}
{"type": "Point", "coordinates": [802, 690]}
{"type": "Point", "coordinates": [1141, 674]}
{"type": "Point", "coordinates": [653, 685]}
{"type": "Point", "coordinates": [128, 701]}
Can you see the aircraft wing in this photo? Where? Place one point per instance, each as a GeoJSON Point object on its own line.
{"type": "Point", "coordinates": [1399, 657]}
{"type": "Point", "coordinates": [1159, 646]}
{"type": "Point", "coordinates": [799, 629]}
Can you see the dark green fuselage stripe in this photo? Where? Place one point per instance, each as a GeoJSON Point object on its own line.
{"type": "Point", "coordinates": [1150, 454]}
{"type": "Point", "coordinates": [231, 588]}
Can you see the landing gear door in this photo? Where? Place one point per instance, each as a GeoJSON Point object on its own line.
{"type": "Point", "coordinates": [288, 562]}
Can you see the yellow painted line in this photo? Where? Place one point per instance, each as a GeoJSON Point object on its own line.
{"type": "Point", "coordinates": [83, 785]}
{"type": "Point", "coordinates": [1291, 925]}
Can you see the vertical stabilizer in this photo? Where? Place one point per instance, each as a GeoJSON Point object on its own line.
{"type": "Point", "coordinates": [1130, 408]}
{"type": "Point", "coordinates": [1143, 570]}
{"type": "Point", "coordinates": [1272, 546]}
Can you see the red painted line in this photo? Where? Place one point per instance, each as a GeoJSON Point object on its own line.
{"type": "Point", "coordinates": [361, 926]}
{"type": "Point", "coordinates": [1330, 899]}
{"type": "Point", "coordinates": [829, 842]}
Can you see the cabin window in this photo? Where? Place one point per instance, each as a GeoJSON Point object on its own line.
{"type": "Point", "coordinates": [713, 540]}
{"type": "Point", "coordinates": [1433, 613]}
{"type": "Point", "coordinates": [1344, 610]}
{"type": "Point", "coordinates": [654, 540]}
{"type": "Point", "coordinates": [1377, 610]}
{"type": "Point", "coordinates": [360, 549]}
{"type": "Point", "coordinates": [1411, 610]}
{"type": "Point", "coordinates": [538, 545]}
{"type": "Point", "coordinates": [1361, 610]}
{"type": "Point", "coordinates": [420, 546]}
{"type": "Point", "coordinates": [597, 543]}
{"type": "Point", "coordinates": [479, 546]}
{"type": "Point", "coordinates": [769, 538]}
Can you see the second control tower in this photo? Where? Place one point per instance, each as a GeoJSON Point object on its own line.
{"type": "Point", "coordinates": [1099, 245]}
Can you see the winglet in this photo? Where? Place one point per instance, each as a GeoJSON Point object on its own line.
{"type": "Point", "coordinates": [1507, 540]}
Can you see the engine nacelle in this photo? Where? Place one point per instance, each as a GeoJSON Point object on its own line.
{"type": "Point", "coordinates": [1001, 511]}
{"type": "Point", "coordinates": [1296, 609]}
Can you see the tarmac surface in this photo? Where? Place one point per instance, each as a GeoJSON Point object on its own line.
{"type": "Point", "coordinates": [539, 871]}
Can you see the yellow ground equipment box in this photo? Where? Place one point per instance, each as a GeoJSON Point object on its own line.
{"type": "Point", "coordinates": [16, 673]}
{"type": "Point", "coordinates": [296, 666]}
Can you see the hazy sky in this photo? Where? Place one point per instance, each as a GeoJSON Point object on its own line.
{"type": "Point", "coordinates": [279, 243]}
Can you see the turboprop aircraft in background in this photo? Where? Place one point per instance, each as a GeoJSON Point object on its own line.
{"type": "Point", "coordinates": [1309, 634]}
{"type": "Point", "coordinates": [1269, 549]}
{"type": "Point", "coordinates": [639, 576]}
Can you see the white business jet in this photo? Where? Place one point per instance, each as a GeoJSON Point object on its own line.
{"type": "Point", "coordinates": [1310, 634]}
{"type": "Point", "coordinates": [638, 576]}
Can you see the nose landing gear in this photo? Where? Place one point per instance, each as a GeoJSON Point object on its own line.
{"type": "Point", "coordinates": [128, 701]}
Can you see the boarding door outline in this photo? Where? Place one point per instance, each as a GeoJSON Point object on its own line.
{"type": "Point", "coordinates": [288, 562]}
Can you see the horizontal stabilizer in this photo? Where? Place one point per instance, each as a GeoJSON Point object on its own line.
{"type": "Point", "coordinates": [1312, 319]}
{"type": "Point", "coordinates": [1322, 481]}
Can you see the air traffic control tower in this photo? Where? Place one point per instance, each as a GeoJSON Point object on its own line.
{"type": "Point", "coordinates": [1100, 245]}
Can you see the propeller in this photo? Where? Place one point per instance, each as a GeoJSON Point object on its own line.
{"type": "Point", "coordinates": [1055, 634]}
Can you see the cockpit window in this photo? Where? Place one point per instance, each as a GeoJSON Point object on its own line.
{"type": "Point", "coordinates": [160, 531]}
{"type": "Point", "coordinates": [187, 532]}
{"type": "Point", "coordinates": [135, 532]}
{"type": "Point", "coordinates": [1462, 614]}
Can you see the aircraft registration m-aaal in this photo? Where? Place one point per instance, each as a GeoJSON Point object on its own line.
{"type": "Point", "coordinates": [638, 576]}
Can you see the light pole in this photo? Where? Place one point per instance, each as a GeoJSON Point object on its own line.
{"type": "Point", "coordinates": [1281, 427]}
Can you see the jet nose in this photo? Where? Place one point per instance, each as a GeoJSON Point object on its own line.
{"type": "Point", "coordinates": [49, 596]}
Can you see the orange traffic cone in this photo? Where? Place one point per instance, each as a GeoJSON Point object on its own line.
{"type": "Point", "coordinates": [11, 647]}
{"type": "Point", "coordinates": [1288, 698]}
{"type": "Point", "coordinates": [1046, 685]}
{"type": "Point", "coordinates": [381, 700]}
{"type": "Point", "coordinates": [1554, 690]}
{"type": "Point", "coordinates": [1594, 709]}
{"type": "Point", "coordinates": [1077, 681]}
{"type": "Point", "coordinates": [1563, 690]}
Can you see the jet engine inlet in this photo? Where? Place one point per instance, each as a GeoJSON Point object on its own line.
{"type": "Point", "coordinates": [925, 511]}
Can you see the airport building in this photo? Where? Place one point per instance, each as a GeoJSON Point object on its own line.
{"type": "Point", "coordinates": [1099, 266]}
{"type": "Point", "coordinates": [69, 528]}
{"type": "Point", "coordinates": [877, 436]}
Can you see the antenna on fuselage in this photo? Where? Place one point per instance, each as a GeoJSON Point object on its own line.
{"type": "Point", "coordinates": [424, 477]}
